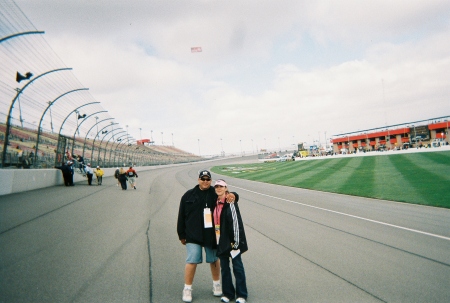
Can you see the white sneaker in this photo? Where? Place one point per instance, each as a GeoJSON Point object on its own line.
{"type": "Point", "coordinates": [187, 295]}
{"type": "Point", "coordinates": [224, 299]}
{"type": "Point", "coordinates": [217, 290]}
{"type": "Point", "coordinates": [240, 300]}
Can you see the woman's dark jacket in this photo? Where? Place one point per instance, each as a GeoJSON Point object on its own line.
{"type": "Point", "coordinates": [122, 177]}
{"type": "Point", "coordinates": [232, 233]}
{"type": "Point", "coordinates": [190, 225]}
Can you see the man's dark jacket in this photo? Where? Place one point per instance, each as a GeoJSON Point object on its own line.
{"type": "Point", "coordinates": [66, 169]}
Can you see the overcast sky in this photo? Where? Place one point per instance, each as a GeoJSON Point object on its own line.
{"type": "Point", "coordinates": [271, 74]}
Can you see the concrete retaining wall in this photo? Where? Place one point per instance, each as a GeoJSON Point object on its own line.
{"type": "Point", "coordinates": [19, 180]}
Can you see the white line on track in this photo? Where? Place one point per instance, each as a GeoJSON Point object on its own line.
{"type": "Point", "coordinates": [348, 215]}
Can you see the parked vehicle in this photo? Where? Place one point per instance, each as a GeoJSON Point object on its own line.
{"type": "Point", "coordinates": [284, 158]}
{"type": "Point", "coordinates": [437, 142]}
{"type": "Point", "coordinates": [417, 139]}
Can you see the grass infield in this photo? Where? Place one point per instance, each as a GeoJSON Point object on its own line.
{"type": "Point", "coordinates": [420, 178]}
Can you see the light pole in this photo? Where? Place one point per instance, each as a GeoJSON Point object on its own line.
{"type": "Point", "coordinates": [96, 122]}
{"type": "Point", "coordinates": [162, 138]}
{"type": "Point", "coordinates": [199, 147]}
{"type": "Point", "coordinates": [240, 142]}
{"type": "Point", "coordinates": [20, 109]}
{"type": "Point", "coordinates": [51, 117]}
{"type": "Point", "coordinates": [76, 120]}
{"type": "Point", "coordinates": [151, 137]}
{"type": "Point", "coordinates": [221, 144]}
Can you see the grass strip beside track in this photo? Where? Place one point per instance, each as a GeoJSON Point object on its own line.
{"type": "Point", "coordinates": [419, 178]}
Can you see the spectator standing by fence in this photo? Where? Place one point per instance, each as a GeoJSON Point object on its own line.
{"type": "Point", "coordinates": [67, 172]}
{"type": "Point", "coordinates": [81, 164]}
{"type": "Point", "coordinates": [99, 173]}
{"type": "Point", "coordinates": [89, 173]}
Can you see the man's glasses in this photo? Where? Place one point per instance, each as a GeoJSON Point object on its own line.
{"type": "Point", "coordinates": [205, 179]}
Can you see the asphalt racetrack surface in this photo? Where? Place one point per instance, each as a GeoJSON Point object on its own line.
{"type": "Point", "coordinates": [103, 244]}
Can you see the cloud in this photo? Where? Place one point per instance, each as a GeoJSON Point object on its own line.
{"type": "Point", "coordinates": [271, 74]}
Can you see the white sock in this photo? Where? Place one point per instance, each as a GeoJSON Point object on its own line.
{"type": "Point", "coordinates": [187, 286]}
{"type": "Point", "coordinates": [216, 282]}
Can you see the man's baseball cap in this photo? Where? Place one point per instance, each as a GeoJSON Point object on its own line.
{"type": "Point", "coordinates": [204, 173]}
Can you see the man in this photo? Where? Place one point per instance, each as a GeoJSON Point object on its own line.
{"type": "Point", "coordinates": [132, 175]}
{"type": "Point", "coordinates": [89, 173]}
{"type": "Point", "coordinates": [67, 173]}
{"type": "Point", "coordinates": [195, 230]}
{"type": "Point", "coordinates": [71, 170]}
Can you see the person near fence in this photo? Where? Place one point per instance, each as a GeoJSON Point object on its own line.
{"type": "Point", "coordinates": [99, 173]}
{"type": "Point", "coordinates": [123, 178]}
{"type": "Point", "coordinates": [89, 173]}
{"type": "Point", "coordinates": [195, 231]}
{"type": "Point", "coordinates": [116, 175]}
{"type": "Point", "coordinates": [81, 165]}
{"type": "Point", "coordinates": [132, 175]}
{"type": "Point", "coordinates": [67, 173]}
{"type": "Point", "coordinates": [230, 229]}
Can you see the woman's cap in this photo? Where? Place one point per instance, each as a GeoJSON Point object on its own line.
{"type": "Point", "coordinates": [221, 183]}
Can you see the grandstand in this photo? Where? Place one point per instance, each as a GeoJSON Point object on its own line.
{"type": "Point", "coordinates": [22, 151]}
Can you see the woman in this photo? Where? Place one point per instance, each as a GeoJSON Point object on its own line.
{"type": "Point", "coordinates": [230, 229]}
{"type": "Point", "coordinates": [123, 178]}
{"type": "Point", "coordinates": [99, 173]}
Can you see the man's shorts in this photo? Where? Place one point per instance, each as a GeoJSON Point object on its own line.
{"type": "Point", "coordinates": [194, 254]}
{"type": "Point", "coordinates": [132, 180]}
